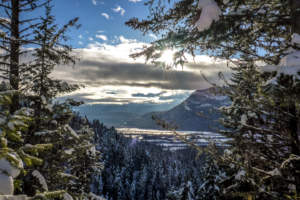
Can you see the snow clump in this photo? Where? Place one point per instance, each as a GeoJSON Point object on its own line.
{"type": "Point", "coordinates": [43, 98]}
{"type": "Point", "coordinates": [289, 65]}
{"type": "Point", "coordinates": [210, 12]}
{"type": "Point", "coordinates": [69, 151]}
{"type": "Point", "coordinates": [67, 127]}
{"type": "Point", "coordinates": [187, 108]}
{"type": "Point", "coordinates": [244, 119]}
{"type": "Point", "coordinates": [49, 107]}
{"type": "Point", "coordinates": [67, 197]}
{"type": "Point", "coordinates": [240, 174]}
{"type": "Point", "coordinates": [6, 181]}
{"type": "Point", "coordinates": [226, 1]}
{"type": "Point", "coordinates": [42, 180]}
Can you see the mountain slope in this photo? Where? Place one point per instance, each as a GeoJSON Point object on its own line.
{"type": "Point", "coordinates": [184, 114]}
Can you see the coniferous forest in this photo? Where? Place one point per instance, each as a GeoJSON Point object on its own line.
{"type": "Point", "coordinates": [49, 151]}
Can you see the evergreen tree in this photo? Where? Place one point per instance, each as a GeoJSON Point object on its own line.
{"type": "Point", "coordinates": [83, 163]}
{"type": "Point", "coordinates": [133, 191]}
{"type": "Point", "coordinates": [263, 120]}
{"type": "Point", "coordinates": [14, 40]}
{"type": "Point", "coordinates": [258, 123]}
{"type": "Point", "coordinates": [139, 169]}
{"type": "Point", "coordinates": [61, 164]}
{"type": "Point", "coordinates": [210, 174]}
{"type": "Point", "coordinates": [226, 29]}
{"type": "Point", "coordinates": [15, 153]}
{"type": "Point", "coordinates": [50, 120]}
{"type": "Point", "coordinates": [185, 192]}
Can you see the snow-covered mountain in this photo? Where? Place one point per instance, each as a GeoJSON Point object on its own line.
{"type": "Point", "coordinates": [184, 114]}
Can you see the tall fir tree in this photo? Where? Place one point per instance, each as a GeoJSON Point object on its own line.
{"type": "Point", "coordinates": [185, 192]}
{"type": "Point", "coordinates": [50, 125]}
{"type": "Point", "coordinates": [263, 119]}
{"type": "Point", "coordinates": [16, 37]}
{"type": "Point", "coordinates": [210, 175]}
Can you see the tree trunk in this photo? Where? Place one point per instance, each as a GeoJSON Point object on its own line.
{"type": "Point", "coordinates": [14, 59]}
{"type": "Point", "coordinates": [294, 130]}
{"type": "Point", "coordinates": [295, 145]}
{"type": "Point", "coordinates": [295, 4]}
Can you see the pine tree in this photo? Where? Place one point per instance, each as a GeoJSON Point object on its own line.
{"type": "Point", "coordinates": [132, 191]}
{"type": "Point", "coordinates": [61, 164]}
{"type": "Point", "coordinates": [84, 163]}
{"type": "Point", "coordinates": [14, 40]}
{"type": "Point", "coordinates": [209, 189]}
{"type": "Point", "coordinates": [258, 123]}
{"type": "Point", "coordinates": [14, 152]}
{"type": "Point", "coordinates": [50, 120]}
{"type": "Point", "coordinates": [262, 121]}
{"type": "Point", "coordinates": [231, 29]}
{"type": "Point", "coordinates": [185, 192]}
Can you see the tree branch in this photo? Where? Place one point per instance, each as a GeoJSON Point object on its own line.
{"type": "Point", "coordinates": [7, 7]}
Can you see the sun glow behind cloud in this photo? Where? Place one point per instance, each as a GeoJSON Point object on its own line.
{"type": "Point", "coordinates": [112, 77]}
{"type": "Point", "coordinates": [167, 56]}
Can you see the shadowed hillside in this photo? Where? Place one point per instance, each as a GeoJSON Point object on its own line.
{"type": "Point", "coordinates": [184, 114]}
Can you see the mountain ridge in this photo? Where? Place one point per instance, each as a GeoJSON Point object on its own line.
{"type": "Point", "coordinates": [184, 114]}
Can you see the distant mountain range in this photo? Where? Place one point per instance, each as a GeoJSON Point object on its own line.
{"type": "Point", "coordinates": [184, 115]}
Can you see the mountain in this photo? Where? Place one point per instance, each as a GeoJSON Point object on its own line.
{"type": "Point", "coordinates": [184, 114]}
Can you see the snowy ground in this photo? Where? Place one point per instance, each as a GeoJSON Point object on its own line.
{"type": "Point", "coordinates": [168, 139]}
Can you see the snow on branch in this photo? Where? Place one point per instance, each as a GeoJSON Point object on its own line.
{"type": "Point", "coordinates": [210, 12]}
{"type": "Point", "coordinates": [67, 197]}
{"type": "Point", "coordinates": [42, 180]}
{"type": "Point", "coordinates": [67, 127]}
{"type": "Point", "coordinates": [95, 197]}
{"type": "Point", "coordinates": [13, 197]}
{"type": "Point", "coordinates": [69, 151]}
{"type": "Point", "coordinates": [289, 64]}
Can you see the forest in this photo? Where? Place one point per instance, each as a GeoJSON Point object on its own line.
{"type": "Point", "coordinates": [49, 151]}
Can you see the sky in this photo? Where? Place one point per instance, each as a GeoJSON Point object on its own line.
{"type": "Point", "coordinates": [113, 80]}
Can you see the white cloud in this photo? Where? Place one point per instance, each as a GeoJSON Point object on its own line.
{"type": "Point", "coordinates": [97, 2]}
{"type": "Point", "coordinates": [151, 35]}
{"type": "Point", "coordinates": [105, 15]}
{"type": "Point", "coordinates": [100, 31]}
{"type": "Point", "coordinates": [123, 40]}
{"type": "Point", "coordinates": [103, 37]}
{"type": "Point", "coordinates": [97, 70]}
{"type": "Point", "coordinates": [119, 9]}
{"type": "Point", "coordinates": [80, 36]}
{"type": "Point", "coordinates": [115, 40]}
{"type": "Point", "coordinates": [121, 51]}
{"type": "Point", "coordinates": [135, 0]}
{"type": "Point", "coordinates": [91, 39]}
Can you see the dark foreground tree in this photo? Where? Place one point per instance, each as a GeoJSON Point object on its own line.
{"type": "Point", "coordinates": [224, 29]}
{"type": "Point", "coordinates": [263, 121]}
{"type": "Point", "coordinates": [73, 158]}
{"type": "Point", "coordinates": [18, 33]}
{"type": "Point", "coordinates": [63, 161]}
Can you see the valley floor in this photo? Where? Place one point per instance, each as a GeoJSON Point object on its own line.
{"type": "Point", "coordinates": [168, 139]}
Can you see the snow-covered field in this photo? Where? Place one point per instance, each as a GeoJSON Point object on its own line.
{"type": "Point", "coordinates": [139, 131]}
{"type": "Point", "coordinates": [168, 139]}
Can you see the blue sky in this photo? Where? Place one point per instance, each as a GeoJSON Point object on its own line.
{"type": "Point", "coordinates": [93, 17]}
{"type": "Point", "coordinates": [110, 76]}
